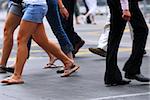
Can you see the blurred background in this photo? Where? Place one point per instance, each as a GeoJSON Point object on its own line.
{"type": "Point", "coordinates": [101, 9]}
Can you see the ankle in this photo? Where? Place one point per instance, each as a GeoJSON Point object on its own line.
{"type": "Point", "coordinates": [16, 76]}
{"type": "Point", "coordinates": [70, 55]}
{"type": "Point", "coordinates": [68, 64]}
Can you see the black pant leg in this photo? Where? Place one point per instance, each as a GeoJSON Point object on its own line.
{"type": "Point", "coordinates": [87, 9]}
{"type": "Point", "coordinates": [117, 26]}
{"type": "Point", "coordinates": [68, 24]}
{"type": "Point", "coordinates": [140, 30]}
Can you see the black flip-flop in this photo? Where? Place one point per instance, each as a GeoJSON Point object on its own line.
{"type": "Point", "coordinates": [49, 65]}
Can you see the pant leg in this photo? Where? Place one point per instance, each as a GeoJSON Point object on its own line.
{"type": "Point", "coordinates": [87, 9]}
{"type": "Point", "coordinates": [103, 40]}
{"type": "Point", "coordinates": [117, 26]}
{"type": "Point", "coordinates": [76, 9]}
{"type": "Point", "coordinates": [53, 19]}
{"type": "Point", "coordinates": [140, 30]}
{"type": "Point", "coordinates": [68, 24]}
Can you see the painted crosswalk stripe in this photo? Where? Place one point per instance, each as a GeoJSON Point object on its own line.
{"type": "Point", "coordinates": [122, 96]}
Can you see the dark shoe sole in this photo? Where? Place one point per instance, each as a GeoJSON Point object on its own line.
{"type": "Point", "coordinates": [140, 79]}
{"type": "Point", "coordinates": [100, 52]}
{"type": "Point", "coordinates": [79, 45]}
{"type": "Point", "coordinates": [122, 82]}
{"type": "Point", "coordinates": [134, 78]}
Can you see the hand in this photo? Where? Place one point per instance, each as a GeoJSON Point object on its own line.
{"type": "Point", "coordinates": [126, 15]}
{"type": "Point", "coordinates": [64, 13]}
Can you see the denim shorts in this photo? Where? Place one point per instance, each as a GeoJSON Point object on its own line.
{"type": "Point", "coordinates": [16, 9]}
{"type": "Point", "coordinates": [34, 13]}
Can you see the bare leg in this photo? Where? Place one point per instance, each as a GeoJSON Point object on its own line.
{"type": "Point", "coordinates": [26, 30]}
{"type": "Point", "coordinates": [55, 50]}
{"type": "Point", "coordinates": [49, 45]}
{"type": "Point", "coordinates": [11, 24]}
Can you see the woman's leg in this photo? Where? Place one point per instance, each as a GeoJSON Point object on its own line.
{"type": "Point", "coordinates": [11, 24]}
{"type": "Point", "coordinates": [26, 30]}
{"type": "Point", "coordinates": [52, 58]}
{"type": "Point", "coordinates": [49, 45]}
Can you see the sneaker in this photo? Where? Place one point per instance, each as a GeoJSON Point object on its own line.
{"type": "Point", "coordinates": [10, 69]}
{"type": "Point", "coordinates": [78, 46]}
{"type": "Point", "coordinates": [98, 51]}
{"type": "Point", "coordinates": [2, 69]}
{"type": "Point", "coordinates": [60, 71]}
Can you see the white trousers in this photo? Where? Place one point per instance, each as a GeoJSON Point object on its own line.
{"type": "Point", "coordinates": [103, 39]}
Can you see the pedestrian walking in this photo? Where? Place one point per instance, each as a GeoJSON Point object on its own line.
{"type": "Point", "coordinates": [54, 7]}
{"type": "Point", "coordinates": [31, 25]}
{"type": "Point", "coordinates": [101, 48]}
{"type": "Point", "coordinates": [68, 26]}
{"type": "Point", "coordinates": [121, 11]}
{"type": "Point", "coordinates": [12, 22]}
{"type": "Point", "coordinates": [88, 20]}
{"type": "Point", "coordinates": [92, 5]}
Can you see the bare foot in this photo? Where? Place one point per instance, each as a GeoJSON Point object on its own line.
{"type": "Point", "coordinates": [68, 70]}
{"type": "Point", "coordinates": [13, 80]}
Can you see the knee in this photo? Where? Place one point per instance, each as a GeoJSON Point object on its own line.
{"type": "Point", "coordinates": [21, 40]}
{"type": "Point", "coordinates": [8, 34]}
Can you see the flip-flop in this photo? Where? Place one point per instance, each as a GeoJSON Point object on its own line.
{"type": "Point", "coordinates": [10, 81]}
{"type": "Point", "coordinates": [49, 65]}
{"type": "Point", "coordinates": [68, 72]}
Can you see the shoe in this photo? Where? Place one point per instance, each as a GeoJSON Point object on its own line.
{"type": "Point", "coordinates": [2, 69]}
{"type": "Point", "coordinates": [60, 71]}
{"type": "Point", "coordinates": [122, 82]}
{"type": "Point", "coordinates": [138, 77]}
{"type": "Point", "coordinates": [10, 69]}
{"type": "Point", "coordinates": [98, 51]}
{"type": "Point", "coordinates": [78, 46]}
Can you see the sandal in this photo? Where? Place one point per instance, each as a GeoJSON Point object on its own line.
{"type": "Point", "coordinates": [68, 72]}
{"type": "Point", "coordinates": [10, 81]}
{"type": "Point", "coordinates": [49, 65]}
{"type": "Point", "coordinates": [2, 69]}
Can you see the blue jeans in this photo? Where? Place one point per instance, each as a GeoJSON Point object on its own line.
{"type": "Point", "coordinates": [54, 20]}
